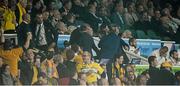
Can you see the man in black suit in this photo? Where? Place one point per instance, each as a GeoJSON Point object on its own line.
{"type": "Point", "coordinates": [86, 41]}
{"type": "Point", "coordinates": [154, 72]}
{"type": "Point", "coordinates": [23, 29]}
{"type": "Point", "coordinates": [43, 33]}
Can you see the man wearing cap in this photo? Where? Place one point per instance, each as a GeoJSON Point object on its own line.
{"type": "Point", "coordinates": [166, 75]}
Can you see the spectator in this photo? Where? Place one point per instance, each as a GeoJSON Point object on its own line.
{"type": "Point", "coordinates": [153, 71]}
{"type": "Point", "coordinates": [108, 50]}
{"type": "Point", "coordinates": [70, 64]}
{"type": "Point", "coordinates": [37, 6]}
{"type": "Point", "coordinates": [104, 31]}
{"type": "Point", "coordinates": [43, 33]}
{"type": "Point", "coordinates": [86, 41]}
{"type": "Point", "coordinates": [140, 9]}
{"type": "Point", "coordinates": [24, 29]}
{"type": "Point", "coordinates": [161, 54]}
{"type": "Point", "coordinates": [127, 34]}
{"type": "Point", "coordinates": [169, 24]}
{"type": "Point", "coordinates": [131, 78]}
{"type": "Point", "coordinates": [10, 17]}
{"type": "Point", "coordinates": [117, 16]}
{"type": "Point", "coordinates": [130, 16]}
{"type": "Point", "coordinates": [67, 5]}
{"type": "Point", "coordinates": [90, 16]}
{"type": "Point", "coordinates": [177, 76]}
{"type": "Point", "coordinates": [78, 8]}
{"type": "Point", "coordinates": [141, 80]}
{"type": "Point", "coordinates": [78, 53]}
{"type": "Point", "coordinates": [102, 13]}
{"type": "Point", "coordinates": [133, 46]}
{"type": "Point", "coordinates": [11, 55]}
{"type": "Point", "coordinates": [82, 78]}
{"type": "Point", "coordinates": [174, 58]}
{"type": "Point", "coordinates": [115, 70]}
{"type": "Point", "coordinates": [6, 76]}
{"type": "Point", "coordinates": [166, 75]}
{"type": "Point", "coordinates": [61, 28]}
{"type": "Point", "coordinates": [20, 10]}
{"type": "Point", "coordinates": [27, 63]}
{"type": "Point", "coordinates": [92, 69]}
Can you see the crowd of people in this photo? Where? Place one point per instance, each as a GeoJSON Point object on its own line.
{"type": "Point", "coordinates": [35, 58]}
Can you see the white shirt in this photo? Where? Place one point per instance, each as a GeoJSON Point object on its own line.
{"type": "Point", "coordinates": [174, 62]}
{"type": "Point", "coordinates": [133, 49]}
{"type": "Point", "coordinates": [42, 36]}
{"type": "Point", "coordinates": [159, 58]}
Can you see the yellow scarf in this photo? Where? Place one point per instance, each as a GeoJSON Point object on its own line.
{"type": "Point", "coordinates": [121, 71]}
{"type": "Point", "coordinates": [22, 11]}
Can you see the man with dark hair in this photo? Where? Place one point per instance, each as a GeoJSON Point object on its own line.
{"type": "Point", "coordinates": [43, 33]}
{"type": "Point", "coordinates": [153, 71]}
{"type": "Point", "coordinates": [174, 57]}
{"type": "Point", "coordinates": [109, 45]}
{"type": "Point", "coordinates": [23, 29]}
{"type": "Point", "coordinates": [161, 54]}
{"type": "Point", "coordinates": [133, 46]}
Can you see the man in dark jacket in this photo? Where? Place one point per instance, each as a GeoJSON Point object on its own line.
{"type": "Point", "coordinates": [153, 71]}
{"type": "Point", "coordinates": [86, 41]}
{"type": "Point", "coordinates": [43, 33]}
{"type": "Point", "coordinates": [23, 29]}
{"type": "Point", "coordinates": [109, 45]}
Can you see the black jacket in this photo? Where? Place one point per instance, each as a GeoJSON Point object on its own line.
{"type": "Point", "coordinates": [154, 76]}
{"type": "Point", "coordinates": [86, 42]}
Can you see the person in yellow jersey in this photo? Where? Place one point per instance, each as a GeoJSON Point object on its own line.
{"type": "Point", "coordinates": [20, 10]}
{"type": "Point", "coordinates": [10, 54]}
{"type": "Point", "coordinates": [115, 70]}
{"type": "Point", "coordinates": [78, 53]}
{"type": "Point", "coordinates": [92, 69]}
{"type": "Point", "coordinates": [10, 17]}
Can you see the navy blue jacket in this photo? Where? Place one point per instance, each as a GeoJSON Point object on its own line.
{"type": "Point", "coordinates": [109, 46]}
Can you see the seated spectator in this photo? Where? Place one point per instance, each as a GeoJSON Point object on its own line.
{"type": "Point", "coordinates": [117, 16]}
{"type": "Point", "coordinates": [161, 54]}
{"type": "Point", "coordinates": [133, 46]}
{"type": "Point", "coordinates": [7, 78]}
{"type": "Point", "coordinates": [126, 34]}
{"type": "Point", "coordinates": [131, 78]}
{"type": "Point", "coordinates": [166, 75]}
{"type": "Point", "coordinates": [61, 28]}
{"type": "Point", "coordinates": [90, 16]}
{"type": "Point", "coordinates": [153, 71]}
{"type": "Point", "coordinates": [169, 24]}
{"type": "Point", "coordinates": [177, 76]}
{"type": "Point", "coordinates": [92, 69]}
{"type": "Point", "coordinates": [174, 58]}
{"type": "Point", "coordinates": [141, 80]}
{"type": "Point", "coordinates": [130, 16]}
{"type": "Point", "coordinates": [102, 13]}
{"type": "Point", "coordinates": [67, 5]}
{"type": "Point", "coordinates": [115, 70]}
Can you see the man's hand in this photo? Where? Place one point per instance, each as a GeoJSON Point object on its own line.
{"type": "Point", "coordinates": [29, 36]}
